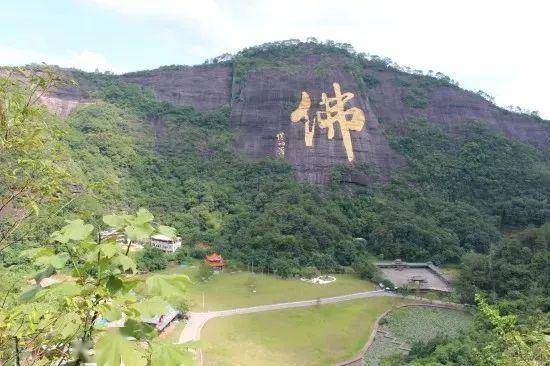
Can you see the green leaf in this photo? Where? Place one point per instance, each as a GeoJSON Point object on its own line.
{"type": "Point", "coordinates": [64, 289]}
{"type": "Point", "coordinates": [141, 232]}
{"type": "Point", "coordinates": [167, 286]}
{"type": "Point", "coordinates": [138, 329]}
{"type": "Point", "coordinates": [168, 354]}
{"type": "Point", "coordinates": [31, 293]}
{"type": "Point", "coordinates": [113, 284]}
{"type": "Point", "coordinates": [111, 313]}
{"type": "Point", "coordinates": [112, 349]}
{"type": "Point", "coordinates": [36, 252]}
{"type": "Point", "coordinates": [143, 216]}
{"type": "Point", "coordinates": [68, 324]}
{"type": "Point", "coordinates": [56, 261]}
{"type": "Point", "coordinates": [125, 262]}
{"type": "Point", "coordinates": [74, 230]}
{"type": "Point", "coordinates": [108, 249]}
{"type": "Point", "coordinates": [129, 285]}
{"type": "Point", "coordinates": [167, 230]}
{"type": "Point", "coordinates": [152, 307]}
{"type": "Point", "coordinates": [115, 221]}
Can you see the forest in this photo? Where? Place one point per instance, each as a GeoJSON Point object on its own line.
{"type": "Point", "coordinates": [474, 199]}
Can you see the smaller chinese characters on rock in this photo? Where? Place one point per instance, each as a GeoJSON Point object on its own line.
{"type": "Point", "coordinates": [281, 144]}
{"type": "Point", "coordinates": [352, 119]}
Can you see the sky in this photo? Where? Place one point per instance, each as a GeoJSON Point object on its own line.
{"type": "Point", "coordinates": [501, 47]}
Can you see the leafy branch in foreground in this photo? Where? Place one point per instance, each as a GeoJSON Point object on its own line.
{"type": "Point", "coordinates": [30, 173]}
{"type": "Point", "coordinates": [60, 323]}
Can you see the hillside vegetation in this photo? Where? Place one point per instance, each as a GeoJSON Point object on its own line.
{"type": "Point", "coordinates": [458, 192]}
{"type": "Point", "coordinates": [469, 196]}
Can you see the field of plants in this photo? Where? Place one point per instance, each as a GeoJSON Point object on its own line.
{"type": "Point", "coordinates": [381, 347]}
{"type": "Point", "coordinates": [414, 324]}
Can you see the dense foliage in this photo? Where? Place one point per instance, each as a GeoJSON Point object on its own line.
{"type": "Point", "coordinates": [454, 200]}
{"type": "Point", "coordinates": [455, 196]}
{"type": "Point", "coordinates": [495, 339]}
{"type": "Point", "coordinates": [151, 259]}
{"type": "Point", "coordinates": [57, 322]}
{"type": "Point", "coordinates": [514, 331]}
{"type": "Point", "coordinates": [517, 271]}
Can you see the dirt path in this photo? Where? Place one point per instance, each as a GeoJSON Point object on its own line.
{"type": "Point", "coordinates": [196, 321]}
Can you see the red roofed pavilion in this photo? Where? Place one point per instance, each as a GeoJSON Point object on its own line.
{"type": "Point", "coordinates": [214, 261]}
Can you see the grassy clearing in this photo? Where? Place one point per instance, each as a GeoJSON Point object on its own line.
{"type": "Point", "coordinates": [310, 336]}
{"type": "Point", "coordinates": [233, 290]}
{"type": "Point", "coordinates": [173, 334]}
{"type": "Point", "coordinates": [413, 324]}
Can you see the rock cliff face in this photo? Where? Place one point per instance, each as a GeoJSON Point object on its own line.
{"type": "Point", "coordinates": [450, 106]}
{"type": "Point", "coordinates": [203, 87]}
{"type": "Point", "coordinates": [263, 97]}
{"type": "Point", "coordinates": [262, 107]}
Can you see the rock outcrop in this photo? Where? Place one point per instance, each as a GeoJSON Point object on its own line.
{"type": "Point", "coordinates": [203, 87]}
{"type": "Point", "coordinates": [262, 107]}
{"type": "Point", "coordinates": [263, 97]}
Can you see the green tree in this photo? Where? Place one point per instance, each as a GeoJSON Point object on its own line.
{"type": "Point", "coordinates": [47, 322]}
{"type": "Point", "coordinates": [365, 267]}
{"type": "Point", "coordinates": [151, 259]}
{"type": "Point", "coordinates": [31, 173]}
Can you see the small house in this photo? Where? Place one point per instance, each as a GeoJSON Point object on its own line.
{"type": "Point", "coordinates": [214, 261]}
{"type": "Point", "coordinates": [163, 321]}
{"type": "Point", "coordinates": [165, 243]}
{"type": "Point", "coordinates": [113, 233]}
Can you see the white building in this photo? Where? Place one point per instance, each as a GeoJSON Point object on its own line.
{"type": "Point", "coordinates": [107, 234]}
{"type": "Point", "coordinates": [165, 243]}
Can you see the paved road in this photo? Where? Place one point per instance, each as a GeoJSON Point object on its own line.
{"type": "Point", "coordinates": [196, 321]}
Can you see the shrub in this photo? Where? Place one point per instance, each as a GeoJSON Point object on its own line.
{"type": "Point", "coordinates": [416, 98]}
{"type": "Point", "coordinates": [204, 272]}
{"type": "Point", "coordinates": [181, 254]}
{"type": "Point", "coordinates": [152, 259]}
{"type": "Point", "coordinates": [198, 253]}
{"type": "Point", "coordinates": [365, 268]}
{"type": "Point", "coordinates": [310, 272]}
{"type": "Point", "coordinates": [345, 252]}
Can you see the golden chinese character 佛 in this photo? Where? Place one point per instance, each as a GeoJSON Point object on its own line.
{"type": "Point", "coordinates": [352, 119]}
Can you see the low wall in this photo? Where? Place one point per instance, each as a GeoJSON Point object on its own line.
{"type": "Point", "coordinates": [429, 265]}
{"type": "Point", "coordinates": [358, 360]}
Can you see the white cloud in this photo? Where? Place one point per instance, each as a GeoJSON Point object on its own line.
{"type": "Point", "coordinates": [84, 59]}
{"type": "Point", "coordinates": [495, 45]}
{"type": "Point", "coordinates": [205, 16]}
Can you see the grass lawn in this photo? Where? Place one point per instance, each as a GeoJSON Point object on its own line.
{"type": "Point", "coordinates": [309, 336]}
{"type": "Point", "coordinates": [232, 290]}
{"type": "Point", "coordinates": [173, 334]}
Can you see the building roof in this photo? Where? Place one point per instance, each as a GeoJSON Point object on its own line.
{"type": "Point", "coordinates": [161, 237]}
{"type": "Point", "coordinates": [163, 320]}
{"type": "Point", "coordinates": [203, 245]}
{"type": "Point", "coordinates": [214, 257]}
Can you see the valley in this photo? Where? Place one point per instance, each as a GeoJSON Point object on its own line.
{"type": "Point", "coordinates": [292, 204]}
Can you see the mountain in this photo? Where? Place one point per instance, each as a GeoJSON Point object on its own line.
{"type": "Point", "coordinates": [263, 85]}
{"type": "Point", "coordinates": [290, 152]}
